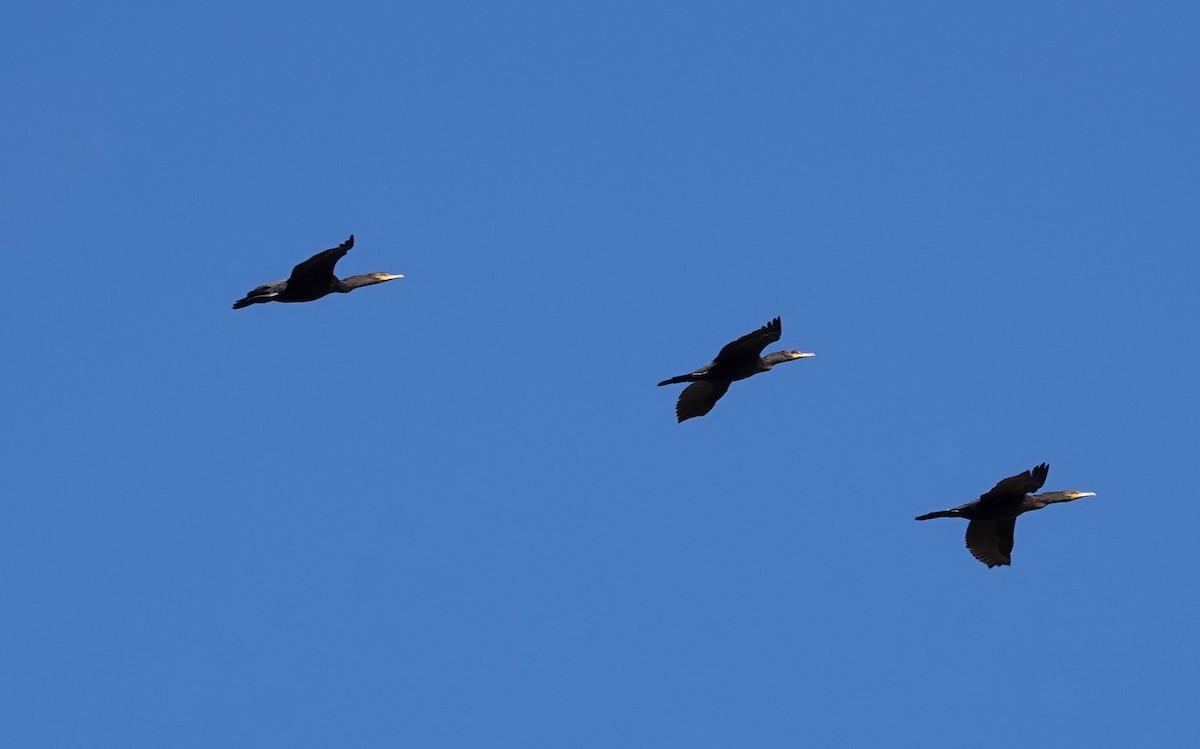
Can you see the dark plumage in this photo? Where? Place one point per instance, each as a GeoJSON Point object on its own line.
{"type": "Point", "coordinates": [994, 515]}
{"type": "Point", "coordinates": [313, 279]}
{"type": "Point", "coordinates": [737, 361]}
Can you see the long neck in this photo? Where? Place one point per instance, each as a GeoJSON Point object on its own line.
{"type": "Point", "coordinates": [1038, 501]}
{"type": "Point", "coordinates": [353, 282]}
{"type": "Point", "coordinates": [778, 357]}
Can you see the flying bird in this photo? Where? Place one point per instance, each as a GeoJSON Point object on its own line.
{"type": "Point", "coordinates": [737, 361]}
{"type": "Point", "coordinates": [994, 515]}
{"type": "Point", "coordinates": [313, 279]}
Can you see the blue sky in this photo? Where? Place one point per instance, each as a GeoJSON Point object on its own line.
{"type": "Point", "coordinates": [454, 510]}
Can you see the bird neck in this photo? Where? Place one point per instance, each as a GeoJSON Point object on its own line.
{"type": "Point", "coordinates": [1038, 501]}
{"type": "Point", "coordinates": [353, 282]}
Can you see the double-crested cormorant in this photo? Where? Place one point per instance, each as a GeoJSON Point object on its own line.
{"type": "Point", "coordinates": [994, 515]}
{"type": "Point", "coordinates": [313, 279]}
{"type": "Point", "coordinates": [737, 361]}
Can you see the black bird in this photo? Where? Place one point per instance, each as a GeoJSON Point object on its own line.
{"type": "Point", "coordinates": [994, 515]}
{"type": "Point", "coordinates": [737, 361]}
{"type": "Point", "coordinates": [313, 279]}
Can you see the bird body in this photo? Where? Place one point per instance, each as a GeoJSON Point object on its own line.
{"type": "Point", "coordinates": [993, 517]}
{"type": "Point", "coordinates": [726, 370]}
{"type": "Point", "coordinates": [736, 361]}
{"type": "Point", "coordinates": [313, 279]}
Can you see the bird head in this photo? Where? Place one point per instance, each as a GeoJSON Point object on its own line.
{"type": "Point", "coordinates": [381, 277]}
{"type": "Point", "coordinates": [796, 354]}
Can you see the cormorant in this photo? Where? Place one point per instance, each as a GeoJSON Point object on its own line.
{"type": "Point", "coordinates": [737, 361]}
{"type": "Point", "coordinates": [313, 279]}
{"type": "Point", "coordinates": [994, 515]}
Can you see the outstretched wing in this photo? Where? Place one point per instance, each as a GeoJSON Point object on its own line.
{"type": "Point", "coordinates": [698, 399]}
{"type": "Point", "coordinates": [1019, 485]}
{"type": "Point", "coordinates": [991, 541]}
{"type": "Point", "coordinates": [318, 269]}
{"type": "Point", "coordinates": [751, 345]}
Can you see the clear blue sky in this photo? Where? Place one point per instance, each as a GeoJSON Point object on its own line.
{"type": "Point", "coordinates": [455, 511]}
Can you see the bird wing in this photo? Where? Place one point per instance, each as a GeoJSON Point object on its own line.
{"type": "Point", "coordinates": [1019, 485]}
{"type": "Point", "coordinates": [699, 398]}
{"type": "Point", "coordinates": [991, 541]}
{"type": "Point", "coordinates": [318, 269]}
{"type": "Point", "coordinates": [751, 345]}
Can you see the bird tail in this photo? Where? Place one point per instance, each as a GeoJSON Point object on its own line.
{"type": "Point", "coordinates": [679, 379]}
{"type": "Point", "coordinates": [258, 295]}
{"type": "Point", "coordinates": [938, 514]}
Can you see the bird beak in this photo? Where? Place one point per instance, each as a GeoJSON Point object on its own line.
{"type": "Point", "coordinates": [390, 277]}
{"type": "Point", "coordinates": [802, 355]}
{"type": "Point", "coordinates": [1086, 494]}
